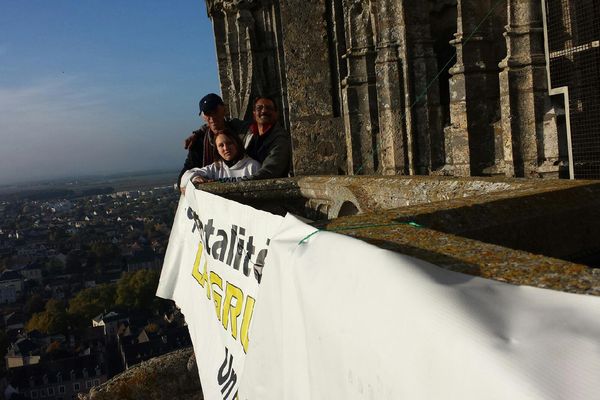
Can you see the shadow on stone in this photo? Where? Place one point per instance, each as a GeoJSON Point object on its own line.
{"type": "Point", "coordinates": [562, 223]}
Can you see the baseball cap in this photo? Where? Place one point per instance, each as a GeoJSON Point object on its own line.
{"type": "Point", "coordinates": [210, 102]}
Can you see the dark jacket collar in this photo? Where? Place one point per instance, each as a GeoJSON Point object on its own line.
{"type": "Point", "coordinates": [254, 129]}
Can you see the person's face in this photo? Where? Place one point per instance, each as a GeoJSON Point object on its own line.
{"type": "Point", "coordinates": [265, 112]}
{"type": "Point", "coordinates": [215, 119]}
{"type": "Point", "coordinates": [226, 147]}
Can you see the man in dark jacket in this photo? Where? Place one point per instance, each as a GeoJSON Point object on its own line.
{"type": "Point", "coordinates": [200, 144]}
{"type": "Point", "coordinates": [267, 142]}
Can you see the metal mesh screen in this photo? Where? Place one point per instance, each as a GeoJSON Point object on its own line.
{"type": "Point", "coordinates": [574, 49]}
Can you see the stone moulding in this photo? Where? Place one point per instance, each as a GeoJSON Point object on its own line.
{"type": "Point", "coordinates": [519, 231]}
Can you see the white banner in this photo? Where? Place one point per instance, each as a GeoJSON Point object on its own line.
{"type": "Point", "coordinates": [212, 270]}
{"type": "Point", "coordinates": [341, 319]}
{"type": "Point", "coordinates": [338, 318]}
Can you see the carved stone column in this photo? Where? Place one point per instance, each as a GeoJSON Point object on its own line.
{"type": "Point", "coordinates": [316, 130]}
{"type": "Point", "coordinates": [247, 55]}
{"type": "Point", "coordinates": [528, 125]}
{"type": "Point", "coordinates": [359, 90]}
{"type": "Point", "coordinates": [390, 89]}
{"type": "Point", "coordinates": [428, 146]}
{"type": "Point", "coordinates": [473, 93]}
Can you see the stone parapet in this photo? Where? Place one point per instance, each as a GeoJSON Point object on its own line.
{"type": "Point", "coordinates": [171, 376]}
{"type": "Point", "coordinates": [520, 231]}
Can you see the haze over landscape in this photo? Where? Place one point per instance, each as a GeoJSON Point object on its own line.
{"type": "Point", "coordinates": [89, 87]}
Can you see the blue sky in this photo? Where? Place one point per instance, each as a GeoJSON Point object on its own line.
{"type": "Point", "coordinates": [99, 86]}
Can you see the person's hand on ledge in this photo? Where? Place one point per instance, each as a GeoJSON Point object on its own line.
{"type": "Point", "coordinates": [200, 179]}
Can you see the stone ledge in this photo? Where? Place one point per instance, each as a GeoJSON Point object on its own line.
{"type": "Point", "coordinates": [162, 378]}
{"type": "Point", "coordinates": [475, 258]}
{"type": "Point", "coordinates": [489, 227]}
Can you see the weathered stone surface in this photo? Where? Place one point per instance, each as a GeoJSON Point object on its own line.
{"type": "Point", "coordinates": [318, 139]}
{"type": "Point", "coordinates": [161, 378]}
{"type": "Point", "coordinates": [316, 131]}
{"type": "Point", "coordinates": [529, 129]}
{"type": "Point", "coordinates": [371, 77]}
{"type": "Point", "coordinates": [503, 229]}
{"type": "Point", "coordinates": [473, 257]}
{"type": "Point", "coordinates": [249, 59]}
{"type": "Point", "coordinates": [474, 91]}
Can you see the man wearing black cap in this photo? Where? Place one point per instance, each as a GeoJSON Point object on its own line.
{"type": "Point", "coordinates": [200, 144]}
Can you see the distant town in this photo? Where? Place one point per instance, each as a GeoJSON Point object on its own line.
{"type": "Point", "coordinates": [78, 272]}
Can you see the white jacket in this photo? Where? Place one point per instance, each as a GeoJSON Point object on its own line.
{"type": "Point", "coordinates": [219, 171]}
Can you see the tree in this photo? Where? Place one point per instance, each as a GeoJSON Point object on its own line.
{"type": "Point", "coordinates": [88, 303]}
{"type": "Point", "coordinates": [136, 290]}
{"type": "Point", "coordinates": [56, 235]}
{"type": "Point", "coordinates": [53, 346]}
{"type": "Point", "coordinates": [52, 320]}
{"type": "Point", "coordinates": [55, 351]}
{"type": "Point", "coordinates": [90, 262]}
{"type": "Point", "coordinates": [54, 266]}
{"type": "Point", "coordinates": [34, 305]}
{"type": "Point", "coordinates": [105, 251]}
{"type": "Point", "coordinates": [73, 262]}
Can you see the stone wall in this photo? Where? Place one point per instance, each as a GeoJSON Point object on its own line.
{"type": "Point", "coordinates": [531, 232]}
{"type": "Point", "coordinates": [445, 87]}
{"type": "Point", "coordinates": [172, 376]}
